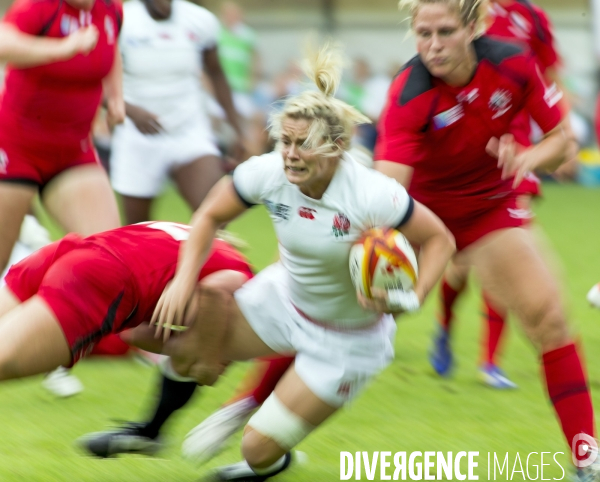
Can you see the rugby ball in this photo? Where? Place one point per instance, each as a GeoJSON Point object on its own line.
{"type": "Point", "coordinates": [383, 258]}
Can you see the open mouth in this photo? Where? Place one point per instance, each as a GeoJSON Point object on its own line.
{"type": "Point", "coordinates": [295, 170]}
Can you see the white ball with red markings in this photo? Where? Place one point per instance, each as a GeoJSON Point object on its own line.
{"type": "Point", "coordinates": [383, 258]}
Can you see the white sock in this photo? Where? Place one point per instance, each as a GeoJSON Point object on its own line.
{"type": "Point", "coordinates": [272, 468]}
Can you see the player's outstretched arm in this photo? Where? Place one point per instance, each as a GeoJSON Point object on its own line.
{"type": "Point", "coordinates": [222, 205]}
{"type": "Point", "coordinates": [436, 243]}
{"type": "Point", "coordinates": [112, 86]}
{"type": "Point", "coordinates": [22, 50]}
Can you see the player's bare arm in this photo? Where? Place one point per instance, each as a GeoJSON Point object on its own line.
{"type": "Point", "coordinates": [221, 205]}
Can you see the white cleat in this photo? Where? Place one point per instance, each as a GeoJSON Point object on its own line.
{"type": "Point", "coordinates": [593, 296]}
{"type": "Point", "coordinates": [62, 383]}
{"type": "Point", "coordinates": [211, 436]}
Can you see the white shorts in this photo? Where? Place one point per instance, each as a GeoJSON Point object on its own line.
{"type": "Point", "coordinates": [334, 365]}
{"type": "Point", "coordinates": [140, 164]}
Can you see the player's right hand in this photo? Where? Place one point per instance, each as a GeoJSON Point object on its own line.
{"type": "Point", "coordinates": [171, 307]}
{"type": "Point", "coordinates": [146, 122]}
{"type": "Point", "coordinates": [82, 41]}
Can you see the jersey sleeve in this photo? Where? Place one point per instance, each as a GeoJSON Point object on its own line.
{"type": "Point", "coordinates": [251, 178]}
{"type": "Point", "coordinates": [205, 26]}
{"type": "Point", "coordinates": [400, 128]}
{"type": "Point", "coordinates": [543, 43]}
{"type": "Point", "coordinates": [30, 16]}
{"type": "Point", "coordinates": [389, 203]}
{"type": "Point", "coordinates": [541, 100]}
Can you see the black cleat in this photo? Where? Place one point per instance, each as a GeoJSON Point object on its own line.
{"type": "Point", "coordinates": [127, 439]}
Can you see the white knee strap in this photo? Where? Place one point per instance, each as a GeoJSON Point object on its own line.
{"type": "Point", "coordinates": [166, 368]}
{"type": "Point", "coordinates": [276, 421]}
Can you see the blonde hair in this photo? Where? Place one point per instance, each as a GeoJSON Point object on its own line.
{"type": "Point", "coordinates": [468, 10]}
{"type": "Point", "coordinates": [331, 120]}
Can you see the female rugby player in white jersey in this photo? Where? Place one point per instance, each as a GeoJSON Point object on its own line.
{"type": "Point", "coordinates": [165, 45]}
{"type": "Point", "coordinates": [320, 202]}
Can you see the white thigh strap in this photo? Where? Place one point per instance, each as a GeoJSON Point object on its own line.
{"type": "Point", "coordinates": [276, 421]}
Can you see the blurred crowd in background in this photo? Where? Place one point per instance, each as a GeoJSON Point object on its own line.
{"type": "Point", "coordinates": [256, 94]}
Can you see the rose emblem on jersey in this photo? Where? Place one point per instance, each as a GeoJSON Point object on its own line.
{"type": "Point", "coordinates": [341, 225]}
{"type": "Point", "coordinates": [500, 102]}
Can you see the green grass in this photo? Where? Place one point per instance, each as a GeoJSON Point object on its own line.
{"type": "Point", "coordinates": [406, 409]}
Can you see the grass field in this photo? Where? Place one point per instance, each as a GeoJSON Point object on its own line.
{"type": "Point", "coordinates": [406, 409]}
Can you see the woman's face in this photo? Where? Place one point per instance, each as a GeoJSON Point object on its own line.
{"type": "Point", "coordinates": [443, 42]}
{"type": "Point", "coordinates": [159, 9]}
{"type": "Point", "coordinates": [302, 165]}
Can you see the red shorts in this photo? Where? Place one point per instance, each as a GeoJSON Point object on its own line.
{"type": "Point", "coordinates": [38, 163]}
{"type": "Point", "coordinates": [468, 229]}
{"type": "Point", "coordinates": [90, 291]}
{"type": "Point", "coordinates": [530, 186]}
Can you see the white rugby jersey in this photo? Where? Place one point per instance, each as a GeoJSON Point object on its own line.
{"type": "Point", "coordinates": [162, 59]}
{"type": "Point", "coordinates": [315, 235]}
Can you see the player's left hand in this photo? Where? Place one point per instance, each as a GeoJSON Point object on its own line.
{"type": "Point", "coordinates": [393, 302]}
{"type": "Point", "coordinates": [512, 160]}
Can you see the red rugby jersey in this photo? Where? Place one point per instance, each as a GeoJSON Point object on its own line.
{"type": "Point", "coordinates": [56, 103]}
{"type": "Point", "coordinates": [151, 250]}
{"type": "Point", "coordinates": [525, 22]}
{"type": "Point", "coordinates": [442, 131]}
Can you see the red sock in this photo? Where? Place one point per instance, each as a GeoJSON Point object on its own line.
{"type": "Point", "coordinates": [448, 297]}
{"type": "Point", "coordinates": [568, 391]}
{"type": "Point", "coordinates": [275, 370]}
{"type": "Point", "coordinates": [495, 322]}
{"type": "Point", "coordinates": [262, 378]}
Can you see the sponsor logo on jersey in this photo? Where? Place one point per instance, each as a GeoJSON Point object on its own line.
{"type": "Point", "coordinates": [500, 102]}
{"type": "Point", "coordinates": [468, 97]}
{"type": "Point", "coordinates": [520, 213]}
{"type": "Point", "coordinates": [68, 25]}
{"type": "Point", "coordinates": [448, 117]}
{"type": "Point", "coordinates": [109, 28]}
{"type": "Point", "coordinates": [3, 162]}
{"type": "Point", "coordinates": [306, 213]}
{"type": "Point", "coordinates": [341, 225]}
{"type": "Point", "coordinates": [552, 95]}
{"type": "Point", "coordinates": [277, 209]}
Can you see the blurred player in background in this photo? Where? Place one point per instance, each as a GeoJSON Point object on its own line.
{"type": "Point", "coordinates": [313, 200]}
{"type": "Point", "coordinates": [165, 46]}
{"type": "Point", "coordinates": [62, 57]}
{"type": "Point", "coordinates": [521, 22]}
{"type": "Point", "coordinates": [445, 133]}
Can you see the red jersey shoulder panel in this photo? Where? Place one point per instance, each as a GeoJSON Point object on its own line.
{"type": "Point", "coordinates": [33, 16]}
